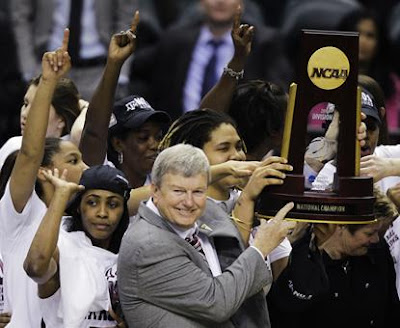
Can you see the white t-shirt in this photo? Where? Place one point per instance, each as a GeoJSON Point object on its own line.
{"type": "Point", "coordinates": [13, 144]}
{"type": "Point", "coordinates": [88, 284]}
{"type": "Point", "coordinates": [16, 234]}
{"type": "Point", "coordinates": [10, 145]}
{"type": "Point", "coordinates": [229, 204]}
{"type": "Point", "coordinates": [392, 237]}
{"type": "Point", "coordinates": [393, 232]}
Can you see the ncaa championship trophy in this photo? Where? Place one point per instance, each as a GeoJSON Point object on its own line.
{"type": "Point", "coordinates": [328, 72]}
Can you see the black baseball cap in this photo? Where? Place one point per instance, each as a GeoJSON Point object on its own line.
{"type": "Point", "coordinates": [132, 112]}
{"type": "Point", "coordinates": [368, 106]}
{"type": "Point", "coordinates": [102, 177]}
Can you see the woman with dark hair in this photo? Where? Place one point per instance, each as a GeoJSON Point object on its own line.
{"type": "Point", "coordinates": [259, 109]}
{"type": "Point", "coordinates": [63, 112]}
{"type": "Point", "coordinates": [27, 193]}
{"type": "Point", "coordinates": [90, 247]}
{"type": "Point", "coordinates": [64, 106]}
{"type": "Point", "coordinates": [375, 89]}
{"type": "Point", "coordinates": [375, 58]}
{"type": "Point", "coordinates": [130, 139]}
{"type": "Point", "coordinates": [215, 133]}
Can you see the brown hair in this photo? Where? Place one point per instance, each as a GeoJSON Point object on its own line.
{"type": "Point", "coordinates": [65, 101]}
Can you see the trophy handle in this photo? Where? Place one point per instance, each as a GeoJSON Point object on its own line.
{"type": "Point", "coordinates": [358, 122]}
{"type": "Point", "coordinates": [288, 121]}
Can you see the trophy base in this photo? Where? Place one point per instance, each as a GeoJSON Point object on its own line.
{"type": "Point", "coordinates": [321, 206]}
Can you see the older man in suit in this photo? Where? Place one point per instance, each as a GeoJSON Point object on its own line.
{"type": "Point", "coordinates": [182, 267]}
{"type": "Point", "coordinates": [39, 24]}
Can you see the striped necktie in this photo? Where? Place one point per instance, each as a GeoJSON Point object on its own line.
{"type": "Point", "coordinates": [195, 242]}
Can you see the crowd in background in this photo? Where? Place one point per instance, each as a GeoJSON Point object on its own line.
{"type": "Point", "coordinates": [26, 34]}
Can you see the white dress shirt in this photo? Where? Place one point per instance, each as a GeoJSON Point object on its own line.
{"type": "Point", "coordinates": [201, 55]}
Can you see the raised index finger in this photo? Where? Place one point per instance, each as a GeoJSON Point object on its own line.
{"type": "Point", "coordinates": [236, 18]}
{"type": "Point", "coordinates": [65, 40]}
{"type": "Point", "coordinates": [283, 211]}
{"type": "Point", "coordinates": [135, 22]}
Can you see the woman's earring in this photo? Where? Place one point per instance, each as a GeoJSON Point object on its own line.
{"type": "Point", "coordinates": [120, 158]}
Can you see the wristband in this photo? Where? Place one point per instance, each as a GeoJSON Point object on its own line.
{"type": "Point", "coordinates": [234, 74]}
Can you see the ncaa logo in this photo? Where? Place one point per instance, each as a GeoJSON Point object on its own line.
{"type": "Point", "coordinates": [328, 68]}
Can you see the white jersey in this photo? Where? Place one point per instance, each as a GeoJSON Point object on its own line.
{"type": "Point", "coordinates": [16, 234]}
{"type": "Point", "coordinates": [392, 237]}
{"type": "Point", "coordinates": [10, 146]}
{"type": "Point", "coordinates": [393, 232]}
{"type": "Point", "coordinates": [88, 285]}
{"type": "Point", "coordinates": [14, 144]}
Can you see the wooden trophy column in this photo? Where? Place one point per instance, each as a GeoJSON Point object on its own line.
{"type": "Point", "coordinates": [328, 73]}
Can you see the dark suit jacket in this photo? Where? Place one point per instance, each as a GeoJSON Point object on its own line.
{"type": "Point", "coordinates": [164, 282]}
{"type": "Point", "coordinates": [159, 72]}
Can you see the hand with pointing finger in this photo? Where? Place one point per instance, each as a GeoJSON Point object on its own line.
{"type": "Point", "coordinates": [56, 64]}
{"type": "Point", "coordinates": [123, 44]}
{"type": "Point", "coordinates": [270, 234]}
{"type": "Point", "coordinates": [242, 35]}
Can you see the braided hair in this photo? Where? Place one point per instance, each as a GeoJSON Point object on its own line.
{"type": "Point", "coordinates": [194, 128]}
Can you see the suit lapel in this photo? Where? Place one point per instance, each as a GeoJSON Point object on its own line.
{"type": "Point", "coordinates": [218, 227]}
{"type": "Point", "coordinates": [152, 218]}
{"type": "Point", "coordinates": [216, 223]}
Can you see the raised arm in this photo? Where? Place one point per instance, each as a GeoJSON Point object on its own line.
{"type": "Point", "coordinates": [41, 262]}
{"type": "Point", "coordinates": [220, 96]}
{"type": "Point", "coordinates": [22, 181]}
{"type": "Point", "coordinates": [93, 143]}
{"type": "Point", "coordinates": [379, 167]}
{"type": "Point", "coordinates": [236, 169]}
